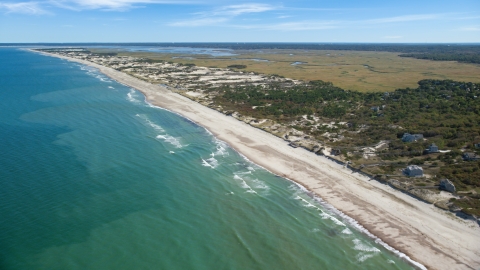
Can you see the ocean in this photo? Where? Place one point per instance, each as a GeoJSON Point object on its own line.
{"type": "Point", "coordinates": [94, 177]}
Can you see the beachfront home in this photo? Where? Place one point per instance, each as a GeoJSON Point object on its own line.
{"type": "Point", "coordinates": [293, 144]}
{"type": "Point", "coordinates": [413, 171]}
{"type": "Point", "coordinates": [445, 184]}
{"type": "Point", "coordinates": [433, 148]}
{"type": "Point", "coordinates": [469, 156]}
{"type": "Point", "coordinates": [335, 152]}
{"type": "Point", "coordinates": [407, 137]}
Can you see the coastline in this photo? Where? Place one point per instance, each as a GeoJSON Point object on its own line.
{"type": "Point", "coordinates": [426, 234]}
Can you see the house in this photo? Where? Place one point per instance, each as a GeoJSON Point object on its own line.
{"type": "Point", "coordinates": [407, 137]}
{"type": "Point", "coordinates": [433, 148]}
{"type": "Point", "coordinates": [469, 156]}
{"type": "Point", "coordinates": [294, 145]}
{"type": "Point", "coordinates": [413, 171]}
{"type": "Point", "coordinates": [445, 184]}
{"type": "Point", "coordinates": [477, 145]}
{"type": "Point", "coordinates": [375, 108]}
{"type": "Point", "coordinates": [318, 150]}
{"type": "Point", "coordinates": [335, 152]}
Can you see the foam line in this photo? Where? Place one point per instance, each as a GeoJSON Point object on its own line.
{"type": "Point", "coordinates": [244, 184]}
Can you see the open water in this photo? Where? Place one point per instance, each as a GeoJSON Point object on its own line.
{"type": "Point", "coordinates": [93, 177]}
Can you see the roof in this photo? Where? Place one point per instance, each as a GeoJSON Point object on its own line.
{"type": "Point", "coordinates": [470, 155]}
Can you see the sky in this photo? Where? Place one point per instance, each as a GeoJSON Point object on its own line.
{"type": "Point", "coordinates": [373, 21]}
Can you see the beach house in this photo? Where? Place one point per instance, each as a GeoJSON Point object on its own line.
{"type": "Point", "coordinates": [413, 171]}
{"type": "Point", "coordinates": [407, 137]}
{"type": "Point", "coordinates": [445, 184]}
{"type": "Point", "coordinates": [433, 148]}
{"type": "Point", "coordinates": [469, 156]}
{"type": "Point", "coordinates": [335, 152]}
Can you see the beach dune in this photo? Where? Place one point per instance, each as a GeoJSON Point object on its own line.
{"type": "Point", "coordinates": [428, 235]}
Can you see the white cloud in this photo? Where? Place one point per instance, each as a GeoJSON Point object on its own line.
{"type": "Point", "coordinates": [113, 5]}
{"type": "Point", "coordinates": [236, 10]}
{"type": "Point", "coordinates": [40, 7]}
{"type": "Point", "coordinates": [23, 8]}
{"type": "Point", "coordinates": [405, 18]}
{"type": "Point", "coordinates": [223, 14]}
{"type": "Point", "coordinates": [323, 25]}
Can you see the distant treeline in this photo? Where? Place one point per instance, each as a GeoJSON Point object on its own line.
{"type": "Point", "coordinates": [466, 53]}
{"type": "Point", "coordinates": [237, 66]}
{"type": "Point", "coordinates": [446, 56]}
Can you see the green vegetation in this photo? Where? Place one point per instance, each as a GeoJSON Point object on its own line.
{"type": "Point", "coordinates": [237, 66]}
{"type": "Point", "coordinates": [299, 100]}
{"type": "Point", "coordinates": [464, 174]}
{"type": "Point", "coordinates": [469, 204]}
{"type": "Point", "coordinates": [104, 54]}
{"type": "Point", "coordinates": [150, 61]}
{"type": "Point", "coordinates": [446, 56]}
{"type": "Point", "coordinates": [445, 112]}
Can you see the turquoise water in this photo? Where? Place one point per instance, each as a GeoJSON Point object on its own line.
{"type": "Point", "coordinates": [93, 177]}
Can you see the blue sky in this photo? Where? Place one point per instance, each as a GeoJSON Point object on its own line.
{"type": "Point", "coordinates": [240, 21]}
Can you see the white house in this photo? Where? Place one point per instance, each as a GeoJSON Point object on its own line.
{"type": "Point", "coordinates": [433, 148]}
{"type": "Point", "coordinates": [407, 137]}
{"type": "Point", "coordinates": [413, 171]}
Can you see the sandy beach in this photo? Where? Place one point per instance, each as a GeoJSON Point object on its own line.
{"type": "Point", "coordinates": [435, 238]}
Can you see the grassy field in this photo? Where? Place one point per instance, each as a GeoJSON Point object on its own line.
{"type": "Point", "coordinates": [354, 70]}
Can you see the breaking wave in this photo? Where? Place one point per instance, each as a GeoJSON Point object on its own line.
{"type": "Point", "coordinates": [210, 162]}
{"type": "Point", "coordinates": [132, 96]}
{"type": "Point", "coordinates": [158, 129]}
{"type": "Point", "coordinates": [243, 184]}
{"type": "Point", "coordinates": [91, 71]}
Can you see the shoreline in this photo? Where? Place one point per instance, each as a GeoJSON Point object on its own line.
{"type": "Point", "coordinates": [349, 220]}
{"type": "Point", "coordinates": [431, 236]}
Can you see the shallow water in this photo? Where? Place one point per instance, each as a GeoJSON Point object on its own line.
{"type": "Point", "coordinates": [93, 177]}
